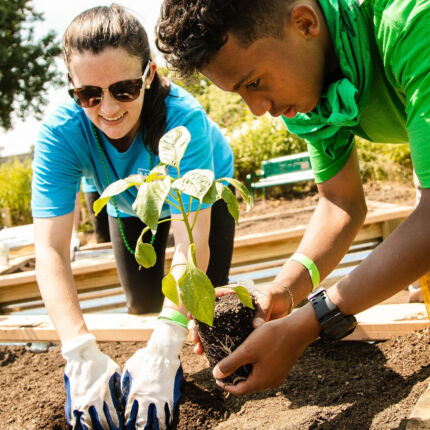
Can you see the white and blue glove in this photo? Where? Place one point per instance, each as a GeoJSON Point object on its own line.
{"type": "Point", "coordinates": [152, 379]}
{"type": "Point", "coordinates": [92, 383]}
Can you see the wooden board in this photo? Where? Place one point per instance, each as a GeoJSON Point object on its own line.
{"type": "Point", "coordinates": [377, 323]}
{"type": "Point", "coordinates": [106, 327]}
{"type": "Point", "coordinates": [383, 322]}
{"type": "Point", "coordinates": [94, 274]}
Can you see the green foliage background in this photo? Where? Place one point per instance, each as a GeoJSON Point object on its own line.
{"type": "Point", "coordinates": [27, 67]}
{"type": "Point", "coordinates": [15, 189]}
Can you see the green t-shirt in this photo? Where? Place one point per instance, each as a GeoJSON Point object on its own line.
{"type": "Point", "coordinates": [398, 110]}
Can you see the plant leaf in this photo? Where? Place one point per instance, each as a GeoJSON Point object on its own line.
{"type": "Point", "coordinates": [242, 190]}
{"type": "Point", "coordinates": [150, 199]}
{"type": "Point", "coordinates": [172, 146]}
{"type": "Point", "coordinates": [157, 173]}
{"type": "Point", "coordinates": [197, 292]}
{"type": "Point", "coordinates": [117, 187]}
{"type": "Point", "coordinates": [228, 196]}
{"type": "Point", "coordinates": [170, 288]}
{"type": "Point", "coordinates": [145, 254]}
{"type": "Point", "coordinates": [195, 183]}
{"type": "Point", "coordinates": [211, 195]}
{"type": "Point", "coordinates": [243, 295]}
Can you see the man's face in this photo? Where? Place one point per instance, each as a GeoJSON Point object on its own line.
{"type": "Point", "coordinates": [280, 76]}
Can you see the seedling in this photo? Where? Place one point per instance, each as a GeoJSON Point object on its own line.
{"type": "Point", "coordinates": [195, 289]}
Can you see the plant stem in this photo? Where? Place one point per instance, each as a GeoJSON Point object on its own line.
{"type": "Point", "coordinates": [195, 216]}
{"type": "Point", "coordinates": [174, 198]}
{"type": "Point", "coordinates": [185, 216]}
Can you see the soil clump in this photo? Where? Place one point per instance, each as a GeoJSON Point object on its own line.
{"type": "Point", "coordinates": [232, 325]}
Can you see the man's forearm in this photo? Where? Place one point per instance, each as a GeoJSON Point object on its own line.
{"type": "Point", "coordinates": [328, 237]}
{"type": "Point", "coordinates": [401, 259]}
{"type": "Point", "coordinates": [56, 284]}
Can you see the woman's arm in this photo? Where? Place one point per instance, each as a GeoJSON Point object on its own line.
{"type": "Point", "coordinates": [54, 275]}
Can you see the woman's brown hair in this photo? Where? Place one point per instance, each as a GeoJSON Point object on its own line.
{"type": "Point", "coordinates": [114, 27]}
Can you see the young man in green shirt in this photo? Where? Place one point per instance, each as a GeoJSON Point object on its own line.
{"type": "Point", "coordinates": [333, 69]}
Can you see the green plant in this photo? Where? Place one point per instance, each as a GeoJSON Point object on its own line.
{"type": "Point", "coordinates": [15, 189]}
{"type": "Point", "coordinates": [195, 289]}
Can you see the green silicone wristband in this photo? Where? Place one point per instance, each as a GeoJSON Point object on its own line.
{"type": "Point", "coordinates": [173, 316]}
{"type": "Point", "coordinates": [310, 265]}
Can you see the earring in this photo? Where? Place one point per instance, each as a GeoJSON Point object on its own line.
{"type": "Point", "coordinates": [148, 86]}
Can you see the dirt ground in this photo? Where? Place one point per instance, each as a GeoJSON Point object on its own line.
{"type": "Point", "coordinates": [346, 385]}
{"type": "Point", "coordinates": [342, 386]}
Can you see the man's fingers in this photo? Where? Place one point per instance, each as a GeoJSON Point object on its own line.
{"type": "Point", "coordinates": [263, 311]}
{"type": "Point", "coordinates": [231, 363]}
{"type": "Point", "coordinates": [223, 291]}
{"type": "Point", "coordinates": [198, 348]}
{"type": "Point", "coordinates": [246, 387]}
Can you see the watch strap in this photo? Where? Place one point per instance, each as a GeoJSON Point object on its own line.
{"type": "Point", "coordinates": [334, 324]}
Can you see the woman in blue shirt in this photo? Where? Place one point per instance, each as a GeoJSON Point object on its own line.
{"type": "Point", "coordinates": [109, 129]}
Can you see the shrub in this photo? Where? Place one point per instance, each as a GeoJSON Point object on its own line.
{"type": "Point", "coordinates": [384, 161]}
{"type": "Point", "coordinates": [15, 189]}
{"type": "Point", "coordinates": [260, 139]}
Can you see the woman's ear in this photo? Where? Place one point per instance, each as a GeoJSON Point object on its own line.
{"type": "Point", "coordinates": [152, 69]}
{"type": "Point", "coordinates": [304, 18]}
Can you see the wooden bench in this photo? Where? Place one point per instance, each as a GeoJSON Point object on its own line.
{"type": "Point", "coordinates": [289, 169]}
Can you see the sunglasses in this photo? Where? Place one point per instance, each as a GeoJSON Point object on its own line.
{"type": "Point", "coordinates": [123, 91]}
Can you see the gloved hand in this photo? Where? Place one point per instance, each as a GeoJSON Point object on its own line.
{"type": "Point", "coordinates": [92, 383]}
{"type": "Point", "coordinates": [152, 378]}
{"type": "Point", "coordinates": [74, 244]}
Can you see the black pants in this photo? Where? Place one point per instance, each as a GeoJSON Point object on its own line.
{"type": "Point", "coordinates": [142, 287]}
{"type": "Point", "coordinates": [100, 222]}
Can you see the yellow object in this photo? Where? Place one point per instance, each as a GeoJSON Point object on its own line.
{"type": "Point", "coordinates": [424, 282]}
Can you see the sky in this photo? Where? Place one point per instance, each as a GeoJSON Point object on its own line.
{"type": "Point", "coordinates": [58, 14]}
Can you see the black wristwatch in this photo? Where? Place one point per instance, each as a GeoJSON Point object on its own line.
{"type": "Point", "coordinates": [334, 324]}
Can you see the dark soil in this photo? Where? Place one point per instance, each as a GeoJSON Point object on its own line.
{"type": "Point", "coordinates": [232, 325]}
{"type": "Point", "coordinates": [342, 386]}
{"type": "Point", "coordinates": [346, 385]}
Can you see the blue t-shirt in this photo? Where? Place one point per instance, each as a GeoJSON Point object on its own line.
{"type": "Point", "coordinates": [66, 150]}
{"type": "Point", "coordinates": [88, 185]}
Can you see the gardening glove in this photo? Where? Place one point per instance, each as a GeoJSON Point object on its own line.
{"type": "Point", "coordinates": [74, 245]}
{"type": "Point", "coordinates": [152, 379]}
{"type": "Point", "coordinates": [92, 383]}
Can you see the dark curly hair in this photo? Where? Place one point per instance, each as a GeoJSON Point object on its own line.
{"type": "Point", "coordinates": [114, 27]}
{"type": "Point", "coordinates": [190, 32]}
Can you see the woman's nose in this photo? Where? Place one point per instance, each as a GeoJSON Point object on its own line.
{"type": "Point", "coordinates": [108, 103]}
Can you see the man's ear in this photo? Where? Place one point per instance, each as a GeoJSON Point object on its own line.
{"type": "Point", "coordinates": [305, 20]}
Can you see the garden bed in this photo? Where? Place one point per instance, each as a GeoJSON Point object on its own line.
{"type": "Point", "coordinates": [347, 385]}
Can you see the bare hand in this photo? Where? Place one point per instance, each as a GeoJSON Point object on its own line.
{"type": "Point", "coordinates": [273, 302]}
{"type": "Point", "coordinates": [272, 349]}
